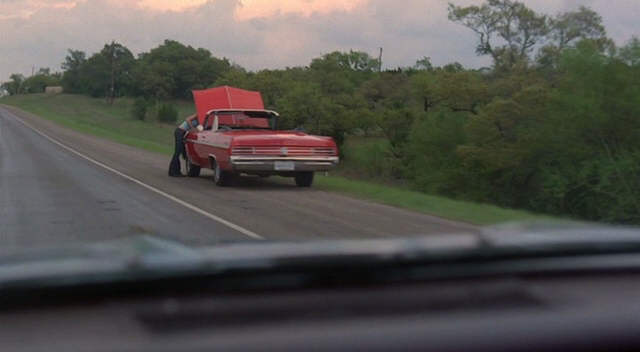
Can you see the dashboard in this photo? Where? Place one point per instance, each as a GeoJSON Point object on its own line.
{"type": "Point", "coordinates": [599, 311]}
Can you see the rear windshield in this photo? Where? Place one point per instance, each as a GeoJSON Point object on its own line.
{"type": "Point", "coordinates": [242, 121]}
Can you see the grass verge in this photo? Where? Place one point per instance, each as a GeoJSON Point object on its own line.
{"type": "Point", "coordinates": [474, 213]}
{"type": "Point", "coordinates": [114, 122]}
{"type": "Point", "coordinates": [96, 117]}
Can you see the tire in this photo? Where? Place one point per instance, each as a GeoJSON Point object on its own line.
{"type": "Point", "coordinates": [220, 177]}
{"type": "Point", "coordinates": [304, 179]}
{"type": "Point", "coordinates": [193, 170]}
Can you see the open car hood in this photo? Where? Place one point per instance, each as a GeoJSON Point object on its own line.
{"type": "Point", "coordinates": [225, 97]}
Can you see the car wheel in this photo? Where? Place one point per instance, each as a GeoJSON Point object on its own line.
{"type": "Point", "coordinates": [221, 177]}
{"type": "Point", "coordinates": [193, 170]}
{"type": "Point", "coordinates": [304, 179]}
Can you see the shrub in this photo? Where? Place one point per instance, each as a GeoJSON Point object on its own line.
{"type": "Point", "coordinates": [139, 109]}
{"type": "Point", "coordinates": [368, 157]}
{"type": "Point", "coordinates": [167, 113]}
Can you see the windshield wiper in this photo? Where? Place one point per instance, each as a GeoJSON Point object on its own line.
{"type": "Point", "coordinates": [264, 265]}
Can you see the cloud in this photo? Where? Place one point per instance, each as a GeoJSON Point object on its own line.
{"type": "Point", "coordinates": [249, 9]}
{"type": "Point", "coordinates": [267, 8]}
{"type": "Point", "coordinates": [260, 33]}
{"type": "Point", "coordinates": [24, 8]}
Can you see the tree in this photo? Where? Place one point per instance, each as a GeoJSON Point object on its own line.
{"type": "Point", "coordinates": [15, 85]}
{"type": "Point", "coordinates": [389, 96]}
{"type": "Point", "coordinates": [361, 61]}
{"type": "Point", "coordinates": [458, 91]}
{"type": "Point", "coordinates": [424, 64]}
{"type": "Point", "coordinates": [139, 108]}
{"type": "Point", "coordinates": [120, 61]}
{"type": "Point", "coordinates": [274, 84]}
{"type": "Point", "coordinates": [453, 67]}
{"type": "Point", "coordinates": [105, 74]}
{"type": "Point", "coordinates": [342, 73]}
{"type": "Point", "coordinates": [72, 66]}
{"type": "Point", "coordinates": [630, 53]}
{"type": "Point", "coordinates": [569, 28]}
{"type": "Point", "coordinates": [353, 61]}
{"type": "Point", "coordinates": [389, 89]}
{"type": "Point", "coordinates": [503, 145]}
{"type": "Point", "coordinates": [174, 69]}
{"type": "Point", "coordinates": [74, 60]}
{"type": "Point", "coordinates": [236, 76]}
{"type": "Point", "coordinates": [431, 162]}
{"type": "Point", "coordinates": [593, 120]}
{"type": "Point", "coordinates": [304, 106]}
{"type": "Point", "coordinates": [42, 79]}
{"type": "Point", "coordinates": [517, 25]}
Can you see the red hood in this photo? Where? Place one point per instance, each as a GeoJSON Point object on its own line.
{"type": "Point", "coordinates": [278, 138]}
{"type": "Point", "coordinates": [225, 97]}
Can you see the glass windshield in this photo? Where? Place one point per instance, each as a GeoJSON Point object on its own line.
{"type": "Point", "coordinates": [245, 120]}
{"type": "Point", "coordinates": [395, 121]}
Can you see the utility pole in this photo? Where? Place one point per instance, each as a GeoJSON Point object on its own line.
{"type": "Point", "coordinates": [112, 58]}
{"type": "Point", "coordinates": [380, 61]}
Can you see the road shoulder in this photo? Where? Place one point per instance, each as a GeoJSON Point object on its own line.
{"type": "Point", "coordinates": [257, 204]}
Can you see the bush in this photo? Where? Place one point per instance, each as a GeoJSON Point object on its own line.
{"type": "Point", "coordinates": [167, 113]}
{"type": "Point", "coordinates": [139, 109]}
{"type": "Point", "coordinates": [367, 157]}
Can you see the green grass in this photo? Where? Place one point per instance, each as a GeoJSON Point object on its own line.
{"type": "Point", "coordinates": [114, 122]}
{"type": "Point", "coordinates": [96, 117]}
{"type": "Point", "coordinates": [474, 213]}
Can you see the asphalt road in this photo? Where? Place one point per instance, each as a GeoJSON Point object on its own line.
{"type": "Point", "coordinates": [80, 188]}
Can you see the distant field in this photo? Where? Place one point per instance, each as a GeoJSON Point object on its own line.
{"type": "Point", "coordinates": [114, 122]}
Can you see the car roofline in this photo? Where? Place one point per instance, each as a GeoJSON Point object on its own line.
{"type": "Point", "coordinates": [271, 112]}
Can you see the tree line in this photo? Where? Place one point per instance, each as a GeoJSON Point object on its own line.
{"type": "Point", "coordinates": [551, 126]}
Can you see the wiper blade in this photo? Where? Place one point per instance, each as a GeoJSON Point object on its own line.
{"type": "Point", "coordinates": [490, 244]}
{"type": "Point", "coordinates": [579, 236]}
{"type": "Point", "coordinates": [149, 258]}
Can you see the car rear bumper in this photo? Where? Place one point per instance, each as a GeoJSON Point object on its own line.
{"type": "Point", "coordinates": [273, 164]}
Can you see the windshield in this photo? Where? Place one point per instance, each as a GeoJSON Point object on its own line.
{"type": "Point", "coordinates": [243, 121]}
{"type": "Point", "coordinates": [132, 128]}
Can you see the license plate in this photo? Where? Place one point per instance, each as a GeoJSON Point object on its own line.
{"type": "Point", "coordinates": [284, 166]}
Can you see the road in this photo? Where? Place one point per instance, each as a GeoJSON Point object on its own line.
{"type": "Point", "coordinates": [59, 186]}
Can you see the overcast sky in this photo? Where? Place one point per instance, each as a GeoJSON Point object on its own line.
{"type": "Point", "coordinates": [261, 34]}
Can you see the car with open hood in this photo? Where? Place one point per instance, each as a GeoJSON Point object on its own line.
{"type": "Point", "coordinates": [240, 136]}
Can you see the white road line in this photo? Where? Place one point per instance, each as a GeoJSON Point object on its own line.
{"type": "Point", "coordinates": [151, 188]}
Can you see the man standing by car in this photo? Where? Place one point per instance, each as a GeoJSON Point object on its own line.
{"type": "Point", "coordinates": [179, 134]}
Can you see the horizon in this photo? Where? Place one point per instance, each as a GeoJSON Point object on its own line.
{"type": "Point", "coordinates": [261, 34]}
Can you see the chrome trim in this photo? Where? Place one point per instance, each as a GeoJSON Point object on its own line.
{"type": "Point", "coordinates": [215, 111]}
{"type": "Point", "coordinates": [283, 151]}
{"type": "Point", "coordinates": [221, 146]}
{"type": "Point", "coordinates": [249, 163]}
{"type": "Point", "coordinates": [245, 158]}
{"type": "Point", "coordinates": [268, 166]}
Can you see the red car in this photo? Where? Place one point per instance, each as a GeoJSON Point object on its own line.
{"type": "Point", "coordinates": [241, 137]}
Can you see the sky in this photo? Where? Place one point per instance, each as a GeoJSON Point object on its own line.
{"type": "Point", "coordinates": [260, 34]}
